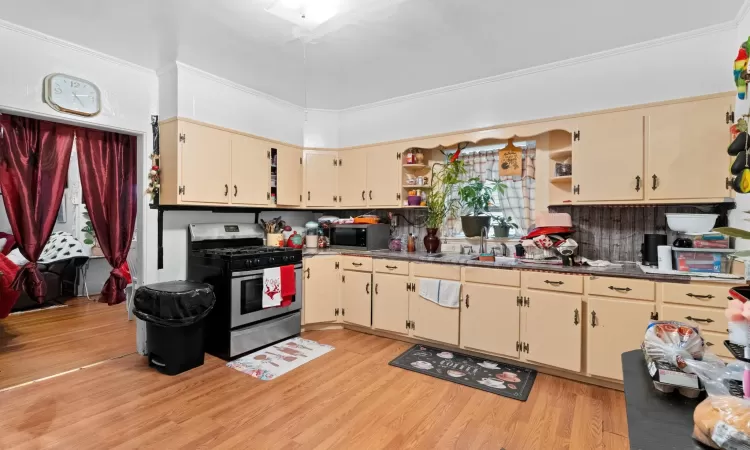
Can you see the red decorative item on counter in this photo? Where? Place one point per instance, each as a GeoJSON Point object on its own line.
{"type": "Point", "coordinates": [295, 241]}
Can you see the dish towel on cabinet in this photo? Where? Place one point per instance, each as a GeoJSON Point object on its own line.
{"type": "Point", "coordinates": [288, 285]}
{"type": "Point", "coordinates": [271, 287]}
{"type": "Point", "coordinates": [442, 292]}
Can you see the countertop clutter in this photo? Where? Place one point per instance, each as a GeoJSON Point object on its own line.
{"type": "Point", "coordinates": [626, 270]}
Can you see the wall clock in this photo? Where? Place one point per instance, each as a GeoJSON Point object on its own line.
{"type": "Point", "coordinates": [72, 95]}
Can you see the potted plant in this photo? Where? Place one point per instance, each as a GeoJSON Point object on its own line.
{"type": "Point", "coordinates": [476, 197]}
{"type": "Point", "coordinates": [441, 201]}
{"type": "Point", "coordinates": [503, 226]}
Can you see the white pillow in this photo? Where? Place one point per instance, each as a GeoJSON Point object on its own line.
{"type": "Point", "coordinates": [17, 258]}
{"type": "Point", "coordinates": [3, 241]}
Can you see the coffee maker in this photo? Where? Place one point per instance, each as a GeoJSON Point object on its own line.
{"type": "Point", "coordinates": [650, 248]}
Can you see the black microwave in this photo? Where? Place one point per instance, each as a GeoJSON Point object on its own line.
{"type": "Point", "coordinates": [360, 236]}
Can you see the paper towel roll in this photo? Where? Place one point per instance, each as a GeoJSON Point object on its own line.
{"type": "Point", "coordinates": [665, 257]}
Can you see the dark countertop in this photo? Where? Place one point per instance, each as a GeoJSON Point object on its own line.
{"type": "Point", "coordinates": [627, 270]}
{"type": "Point", "coordinates": [655, 420]}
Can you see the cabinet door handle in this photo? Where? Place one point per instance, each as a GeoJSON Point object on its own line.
{"type": "Point", "coordinates": [554, 283]}
{"type": "Point", "coordinates": [226, 190]}
{"type": "Point", "coordinates": [376, 288]}
{"type": "Point", "coordinates": [363, 195]}
{"type": "Point", "coordinates": [367, 288]}
{"type": "Point", "coordinates": [308, 195]}
{"type": "Point", "coordinates": [308, 273]}
{"type": "Point", "coordinates": [594, 322]}
{"type": "Point", "coordinates": [637, 183]}
{"type": "Point", "coordinates": [655, 179]}
{"type": "Point", "coordinates": [709, 344]}
{"type": "Point", "coordinates": [467, 300]}
{"type": "Point", "coordinates": [696, 319]}
{"type": "Point", "coordinates": [339, 199]}
{"type": "Point", "coordinates": [391, 267]}
{"type": "Point", "coordinates": [357, 264]}
{"type": "Point", "coordinates": [700, 297]}
{"type": "Point", "coordinates": [576, 318]}
{"type": "Point", "coordinates": [619, 289]}
{"type": "Point", "coordinates": [235, 190]}
{"type": "Point", "coordinates": [728, 182]}
{"type": "Point", "coordinates": [370, 195]}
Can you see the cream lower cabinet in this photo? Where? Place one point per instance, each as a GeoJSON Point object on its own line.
{"type": "Point", "coordinates": [490, 319]}
{"type": "Point", "coordinates": [432, 321]}
{"type": "Point", "coordinates": [356, 298]}
{"type": "Point", "coordinates": [322, 285]}
{"type": "Point", "coordinates": [614, 326]}
{"type": "Point", "coordinates": [553, 329]}
{"type": "Point", "coordinates": [390, 302]}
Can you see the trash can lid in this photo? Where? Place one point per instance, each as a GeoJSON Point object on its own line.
{"type": "Point", "coordinates": [174, 303]}
{"type": "Point", "coordinates": [176, 287]}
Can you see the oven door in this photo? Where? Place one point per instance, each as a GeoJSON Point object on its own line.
{"type": "Point", "coordinates": [247, 297]}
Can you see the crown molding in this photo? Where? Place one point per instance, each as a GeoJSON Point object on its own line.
{"type": "Point", "coordinates": [217, 79]}
{"type": "Point", "coordinates": [75, 47]}
{"type": "Point", "coordinates": [742, 13]}
{"type": "Point", "coordinates": [714, 29]}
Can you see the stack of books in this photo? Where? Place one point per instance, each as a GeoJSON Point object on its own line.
{"type": "Point", "coordinates": [710, 240]}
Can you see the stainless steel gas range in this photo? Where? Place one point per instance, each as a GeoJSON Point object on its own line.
{"type": "Point", "coordinates": [231, 257]}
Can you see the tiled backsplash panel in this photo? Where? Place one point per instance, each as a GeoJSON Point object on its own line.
{"type": "Point", "coordinates": [615, 233]}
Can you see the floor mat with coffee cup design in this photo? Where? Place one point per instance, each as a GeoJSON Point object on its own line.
{"type": "Point", "coordinates": [480, 373]}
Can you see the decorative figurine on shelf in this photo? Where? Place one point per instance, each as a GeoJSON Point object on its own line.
{"type": "Point", "coordinates": [740, 70]}
{"type": "Point", "coordinates": [153, 177]}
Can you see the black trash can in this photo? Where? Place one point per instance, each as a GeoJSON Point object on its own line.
{"type": "Point", "coordinates": [174, 313]}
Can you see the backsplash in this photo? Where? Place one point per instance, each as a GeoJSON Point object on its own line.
{"type": "Point", "coordinates": [615, 233]}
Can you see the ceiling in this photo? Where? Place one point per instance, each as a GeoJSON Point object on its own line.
{"type": "Point", "coordinates": [372, 51]}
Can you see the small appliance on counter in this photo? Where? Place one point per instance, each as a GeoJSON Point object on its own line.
{"type": "Point", "coordinates": [312, 231]}
{"type": "Point", "coordinates": [650, 248]}
{"type": "Point", "coordinates": [360, 236]}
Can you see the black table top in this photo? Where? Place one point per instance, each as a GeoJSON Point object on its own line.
{"type": "Point", "coordinates": [656, 420]}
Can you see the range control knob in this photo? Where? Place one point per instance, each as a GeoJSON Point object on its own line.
{"type": "Point", "coordinates": [285, 258]}
{"type": "Point", "coordinates": [272, 260]}
{"type": "Point", "coordinates": [256, 261]}
{"type": "Point", "coordinates": [248, 263]}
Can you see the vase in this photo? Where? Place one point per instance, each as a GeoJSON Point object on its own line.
{"type": "Point", "coordinates": [431, 241]}
{"type": "Point", "coordinates": [472, 225]}
{"type": "Point", "coordinates": [501, 231]}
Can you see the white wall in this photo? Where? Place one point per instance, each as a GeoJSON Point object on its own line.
{"type": "Point", "coordinates": [321, 129]}
{"type": "Point", "coordinates": [129, 97]}
{"type": "Point", "coordinates": [660, 70]}
{"type": "Point", "coordinates": [737, 217]}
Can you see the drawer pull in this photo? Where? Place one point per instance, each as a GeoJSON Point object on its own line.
{"type": "Point", "coordinates": [391, 267]}
{"type": "Point", "coordinates": [356, 264]}
{"type": "Point", "coordinates": [376, 288]}
{"type": "Point", "coordinates": [576, 320]}
{"type": "Point", "coordinates": [367, 288]}
{"type": "Point", "coordinates": [619, 289]}
{"type": "Point", "coordinates": [709, 344]}
{"type": "Point", "coordinates": [554, 283]}
{"type": "Point", "coordinates": [594, 322]}
{"type": "Point", "coordinates": [467, 300]}
{"type": "Point", "coordinates": [707, 297]}
{"type": "Point", "coordinates": [696, 319]}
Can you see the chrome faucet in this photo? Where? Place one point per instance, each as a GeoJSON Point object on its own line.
{"type": "Point", "coordinates": [482, 236]}
{"type": "Point", "coordinates": [467, 249]}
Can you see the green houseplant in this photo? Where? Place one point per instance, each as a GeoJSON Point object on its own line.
{"type": "Point", "coordinates": [503, 226]}
{"type": "Point", "coordinates": [476, 198]}
{"type": "Point", "coordinates": [441, 201]}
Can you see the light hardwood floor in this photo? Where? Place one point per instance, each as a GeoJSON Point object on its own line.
{"type": "Point", "coordinates": [349, 398]}
{"type": "Point", "coordinates": [39, 344]}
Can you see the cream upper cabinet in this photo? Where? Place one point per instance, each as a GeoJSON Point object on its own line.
{"type": "Point", "coordinates": [614, 326]}
{"type": "Point", "coordinates": [552, 329]}
{"type": "Point", "coordinates": [251, 171]}
{"type": "Point", "coordinates": [390, 302]}
{"type": "Point", "coordinates": [490, 319]}
{"type": "Point", "coordinates": [289, 176]}
{"type": "Point", "coordinates": [432, 321]}
{"type": "Point", "coordinates": [383, 176]}
{"type": "Point", "coordinates": [356, 297]}
{"type": "Point", "coordinates": [686, 150]}
{"type": "Point", "coordinates": [353, 178]}
{"type": "Point", "coordinates": [205, 160]}
{"type": "Point", "coordinates": [322, 286]}
{"type": "Point", "coordinates": [608, 157]}
{"type": "Point", "coordinates": [321, 178]}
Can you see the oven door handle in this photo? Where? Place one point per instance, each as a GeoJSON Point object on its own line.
{"type": "Point", "coordinates": [258, 273]}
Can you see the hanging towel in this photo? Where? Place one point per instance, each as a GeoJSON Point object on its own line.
{"type": "Point", "coordinates": [442, 292]}
{"type": "Point", "coordinates": [449, 294]}
{"type": "Point", "coordinates": [288, 285]}
{"type": "Point", "coordinates": [429, 289]}
{"type": "Point", "coordinates": [271, 287]}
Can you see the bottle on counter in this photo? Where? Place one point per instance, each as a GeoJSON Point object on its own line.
{"type": "Point", "coordinates": [411, 246]}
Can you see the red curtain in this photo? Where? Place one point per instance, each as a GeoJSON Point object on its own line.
{"type": "Point", "coordinates": [34, 157]}
{"type": "Point", "coordinates": [107, 162]}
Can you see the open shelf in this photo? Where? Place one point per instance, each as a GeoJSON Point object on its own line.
{"type": "Point", "coordinates": [416, 186]}
{"type": "Point", "coordinates": [414, 166]}
{"type": "Point", "coordinates": [560, 155]}
{"type": "Point", "coordinates": [414, 207]}
{"type": "Point", "coordinates": [563, 179]}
